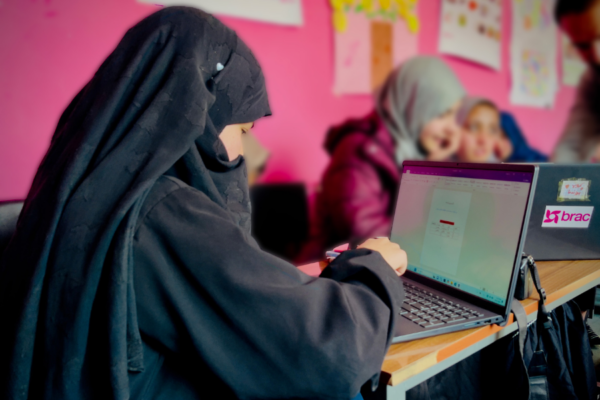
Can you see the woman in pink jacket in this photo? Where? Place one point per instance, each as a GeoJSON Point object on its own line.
{"type": "Point", "coordinates": [414, 119]}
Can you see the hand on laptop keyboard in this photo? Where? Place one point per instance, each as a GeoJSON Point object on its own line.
{"type": "Point", "coordinates": [391, 253]}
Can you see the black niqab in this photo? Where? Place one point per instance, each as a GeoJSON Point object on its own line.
{"type": "Point", "coordinates": [156, 106]}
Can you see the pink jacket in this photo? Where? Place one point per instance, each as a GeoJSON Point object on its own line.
{"type": "Point", "coordinates": [358, 190]}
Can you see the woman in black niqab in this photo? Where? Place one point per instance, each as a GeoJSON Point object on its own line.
{"type": "Point", "coordinates": [132, 273]}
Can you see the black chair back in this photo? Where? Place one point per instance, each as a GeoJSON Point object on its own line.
{"type": "Point", "coordinates": [280, 218]}
{"type": "Point", "coordinates": [9, 214]}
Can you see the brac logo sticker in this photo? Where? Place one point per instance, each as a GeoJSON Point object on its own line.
{"type": "Point", "coordinates": [567, 217]}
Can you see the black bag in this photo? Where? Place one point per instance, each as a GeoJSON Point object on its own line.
{"type": "Point", "coordinates": [555, 363]}
{"type": "Point", "coordinates": [556, 354]}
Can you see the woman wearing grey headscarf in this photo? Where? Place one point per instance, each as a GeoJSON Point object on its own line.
{"type": "Point", "coordinates": [414, 119]}
{"type": "Point", "coordinates": [417, 106]}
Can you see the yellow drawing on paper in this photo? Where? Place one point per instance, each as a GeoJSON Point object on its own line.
{"type": "Point", "coordinates": [387, 9]}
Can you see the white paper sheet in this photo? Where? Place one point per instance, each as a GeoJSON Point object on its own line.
{"type": "Point", "coordinates": [284, 12]}
{"type": "Point", "coordinates": [352, 56]}
{"type": "Point", "coordinates": [533, 53]}
{"type": "Point", "coordinates": [358, 46]}
{"type": "Point", "coordinates": [472, 30]}
{"type": "Point", "coordinates": [574, 190]}
{"type": "Point", "coordinates": [573, 67]}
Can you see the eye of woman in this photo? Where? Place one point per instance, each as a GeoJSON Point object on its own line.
{"type": "Point", "coordinates": [472, 126]}
{"type": "Point", "coordinates": [246, 128]}
{"type": "Point", "coordinates": [496, 130]}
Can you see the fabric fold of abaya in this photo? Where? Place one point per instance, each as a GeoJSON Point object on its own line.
{"type": "Point", "coordinates": [244, 322]}
{"type": "Point", "coordinates": [152, 113]}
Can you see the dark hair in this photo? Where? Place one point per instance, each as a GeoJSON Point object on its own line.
{"type": "Point", "coordinates": [565, 7]}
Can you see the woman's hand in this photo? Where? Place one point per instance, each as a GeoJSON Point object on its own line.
{"type": "Point", "coordinates": [503, 148]}
{"type": "Point", "coordinates": [440, 137]}
{"type": "Point", "coordinates": [391, 253]}
{"type": "Point", "coordinates": [445, 147]}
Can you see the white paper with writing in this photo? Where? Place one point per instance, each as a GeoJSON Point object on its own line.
{"type": "Point", "coordinates": [574, 190]}
{"type": "Point", "coordinates": [284, 12]}
{"type": "Point", "coordinates": [533, 53]}
{"type": "Point", "coordinates": [472, 30]}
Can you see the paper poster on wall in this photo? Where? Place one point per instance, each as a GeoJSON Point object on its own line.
{"type": "Point", "coordinates": [371, 37]}
{"type": "Point", "coordinates": [573, 67]}
{"type": "Point", "coordinates": [533, 53]}
{"type": "Point", "coordinates": [284, 12]}
{"type": "Point", "coordinates": [472, 29]}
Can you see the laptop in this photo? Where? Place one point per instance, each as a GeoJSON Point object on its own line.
{"type": "Point", "coordinates": [564, 224]}
{"type": "Point", "coordinates": [463, 228]}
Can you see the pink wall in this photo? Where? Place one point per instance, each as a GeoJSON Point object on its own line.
{"type": "Point", "coordinates": [50, 48]}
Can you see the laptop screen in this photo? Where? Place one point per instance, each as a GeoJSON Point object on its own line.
{"type": "Point", "coordinates": [461, 227]}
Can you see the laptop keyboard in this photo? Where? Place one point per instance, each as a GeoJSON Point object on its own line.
{"type": "Point", "coordinates": [430, 310]}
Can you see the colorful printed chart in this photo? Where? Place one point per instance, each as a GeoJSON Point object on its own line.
{"type": "Point", "coordinates": [535, 70]}
{"type": "Point", "coordinates": [472, 29]}
{"type": "Point", "coordinates": [533, 53]}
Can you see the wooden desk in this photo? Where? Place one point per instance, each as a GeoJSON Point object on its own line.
{"type": "Point", "coordinates": [408, 364]}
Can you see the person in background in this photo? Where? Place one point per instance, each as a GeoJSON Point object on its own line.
{"type": "Point", "coordinates": [132, 273]}
{"type": "Point", "coordinates": [480, 122]}
{"type": "Point", "coordinates": [490, 135]}
{"type": "Point", "coordinates": [256, 157]}
{"type": "Point", "coordinates": [580, 142]}
{"type": "Point", "coordinates": [512, 145]}
{"type": "Point", "coordinates": [414, 119]}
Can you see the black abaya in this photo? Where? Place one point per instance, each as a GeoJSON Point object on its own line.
{"type": "Point", "coordinates": [245, 321]}
{"type": "Point", "coordinates": [133, 245]}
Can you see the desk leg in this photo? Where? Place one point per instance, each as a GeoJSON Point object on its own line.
{"type": "Point", "coordinates": [396, 393]}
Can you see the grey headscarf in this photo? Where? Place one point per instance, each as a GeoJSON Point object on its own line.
{"type": "Point", "coordinates": [468, 104]}
{"type": "Point", "coordinates": [418, 91]}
